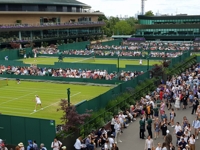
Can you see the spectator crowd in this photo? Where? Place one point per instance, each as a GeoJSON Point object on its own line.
{"type": "Point", "coordinates": [33, 70]}
{"type": "Point", "coordinates": [157, 112]}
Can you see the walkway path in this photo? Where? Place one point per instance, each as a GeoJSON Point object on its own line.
{"type": "Point", "coordinates": [130, 137]}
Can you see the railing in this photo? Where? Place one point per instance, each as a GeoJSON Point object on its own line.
{"type": "Point", "coordinates": [8, 26]}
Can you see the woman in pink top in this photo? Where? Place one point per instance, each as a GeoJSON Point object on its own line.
{"type": "Point", "coordinates": [162, 107]}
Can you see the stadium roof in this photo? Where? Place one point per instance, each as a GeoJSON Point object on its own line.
{"type": "Point", "coordinates": [169, 17]}
{"type": "Point", "coordinates": [121, 36]}
{"type": "Point", "coordinates": [47, 2]}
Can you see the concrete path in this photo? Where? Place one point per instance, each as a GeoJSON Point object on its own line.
{"type": "Point", "coordinates": [130, 137]}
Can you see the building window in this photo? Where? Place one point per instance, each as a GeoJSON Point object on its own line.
{"type": "Point", "coordinates": [15, 7]}
{"type": "Point", "coordinates": [42, 8]}
{"type": "Point", "coordinates": [73, 9]}
{"type": "Point", "coordinates": [59, 8]}
{"type": "Point", "coordinates": [2, 7]}
{"type": "Point", "coordinates": [29, 8]}
{"type": "Point", "coordinates": [51, 8]}
{"type": "Point", "coordinates": [65, 8]}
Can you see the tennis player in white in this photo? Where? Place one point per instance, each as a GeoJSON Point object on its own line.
{"type": "Point", "coordinates": [38, 102]}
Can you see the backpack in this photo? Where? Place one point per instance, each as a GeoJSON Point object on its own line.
{"type": "Point", "coordinates": [31, 147]}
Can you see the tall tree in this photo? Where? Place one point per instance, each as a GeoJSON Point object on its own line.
{"type": "Point", "coordinates": [132, 21]}
{"type": "Point", "coordinates": [149, 13]}
{"type": "Point", "coordinates": [123, 28]}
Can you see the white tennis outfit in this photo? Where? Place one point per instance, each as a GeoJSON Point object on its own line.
{"type": "Point", "coordinates": [38, 101]}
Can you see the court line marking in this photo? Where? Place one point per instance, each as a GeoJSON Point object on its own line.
{"type": "Point", "coordinates": [53, 104]}
{"type": "Point", "coordinates": [17, 98]}
{"type": "Point", "coordinates": [6, 97]}
{"type": "Point", "coordinates": [9, 88]}
{"type": "Point", "coordinates": [38, 91]}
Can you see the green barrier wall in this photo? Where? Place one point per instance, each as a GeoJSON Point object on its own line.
{"type": "Point", "coordinates": [12, 53]}
{"type": "Point", "coordinates": [49, 78]}
{"type": "Point", "coordinates": [21, 129]}
{"type": "Point", "coordinates": [102, 100]}
{"type": "Point", "coordinates": [112, 57]}
{"type": "Point", "coordinates": [74, 46]}
{"type": "Point", "coordinates": [113, 42]}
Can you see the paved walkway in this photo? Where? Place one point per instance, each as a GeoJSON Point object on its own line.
{"type": "Point", "coordinates": [130, 137]}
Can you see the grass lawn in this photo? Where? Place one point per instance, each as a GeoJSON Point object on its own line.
{"type": "Point", "coordinates": [18, 99]}
{"type": "Point", "coordinates": [123, 62]}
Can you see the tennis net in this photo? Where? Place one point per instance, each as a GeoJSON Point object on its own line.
{"type": "Point", "coordinates": [86, 60]}
{"type": "Point", "coordinates": [3, 82]}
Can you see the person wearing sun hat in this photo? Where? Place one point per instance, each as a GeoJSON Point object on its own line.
{"type": "Point", "coordinates": [64, 148]}
{"type": "Point", "coordinates": [168, 139]}
{"type": "Point", "coordinates": [20, 146]}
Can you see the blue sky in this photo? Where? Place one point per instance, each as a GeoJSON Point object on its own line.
{"type": "Point", "coordinates": [132, 7]}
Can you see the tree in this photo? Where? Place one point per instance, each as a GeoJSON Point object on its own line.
{"type": "Point", "coordinates": [102, 18]}
{"type": "Point", "coordinates": [149, 13]}
{"type": "Point", "coordinates": [71, 119]}
{"type": "Point", "coordinates": [132, 21]}
{"type": "Point", "coordinates": [123, 28]}
{"type": "Point", "coordinates": [15, 45]}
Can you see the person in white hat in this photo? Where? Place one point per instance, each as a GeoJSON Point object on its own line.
{"type": "Point", "coordinates": [168, 139]}
{"type": "Point", "coordinates": [64, 148]}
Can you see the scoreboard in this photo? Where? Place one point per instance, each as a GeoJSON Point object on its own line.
{"type": "Point", "coordinates": [22, 52]}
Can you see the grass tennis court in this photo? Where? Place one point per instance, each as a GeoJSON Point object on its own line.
{"type": "Point", "coordinates": [123, 62]}
{"type": "Point", "coordinates": [18, 99]}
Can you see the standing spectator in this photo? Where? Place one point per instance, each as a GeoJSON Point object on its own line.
{"type": "Point", "coordinates": [184, 100]}
{"type": "Point", "coordinates": [164, 146]}
{"type": "Point", "coordinates": [168, 139]}
{"type": "Point", "coordinates": [64, 148]}
{"type": "Point", "coordinates": [156, 128]}
{"type": "Point", "coordinates": [182, 144]}
{"type": "Point", "coordinates": [171, 146]}
{"type": "Point", "coordinates": [172, 116]}
{"type": "Point", "coordinates": [6, 57]}
{"type": "Point", "coordinates": [159, 147]}
{"type": "Point", "coordinates": [35, 146]}
{"type": "Point", "coordinates": [56, 144]}
{"type": "Point", "coordinates": [30, 145]}
{"type": "Point", "coordinates": [149, 126]}
{"type": "Point", "coordinates": [42, 147]}
{"type": "Point", "coordinates": [177, 103]}
{"type": "Point", "coordinates": [112, 125]}
{"type": "Point", "coordinates": [191, 142]}
{"type": "Point", "coordinates": [149, 144]}
{"type": "Point", "coordinates": [179, 134]}
{"type": "Point", "coordinates": [142, 127]}
{"type": "Point", "coordinates": [115, 147]}
{"type": "Point", "coordinates": [194, 105]}
{"type": "Point", "coordinates": [117, 131]}
{"type": "Point", "coordinates": [78, 144]}
{"type": "Point", "coordinates": [164, 127]}
{"type": "Point", "coordinates": [20, 146]}
{"type": "Point", "coordinates": [196, 126]}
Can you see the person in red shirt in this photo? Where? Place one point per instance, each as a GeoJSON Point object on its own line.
{"type": "Point", "coordinates": [161, 95]}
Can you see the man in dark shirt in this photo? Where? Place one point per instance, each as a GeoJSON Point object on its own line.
{"type": "Point", "coordinates": [149, 126]}
{"type": "Point", "coordinates": [182, 144]}
{"type": "Point", "coordinates": [178, 135]}
{"type": "Point", "coordinates": [142, 127]}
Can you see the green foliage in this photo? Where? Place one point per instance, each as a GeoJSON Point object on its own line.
{"type": "Point", "coordinates": [149, 13]}
{"type": "Point", "coordinates": [122, 28]}
{"type": "Point", "coordinates": [114, 25]}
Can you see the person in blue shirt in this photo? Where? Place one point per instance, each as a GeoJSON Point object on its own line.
{"type": "Point", "coordinates": [6, 58]}
{"type": "Point", "coordinates": [30, 145]}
